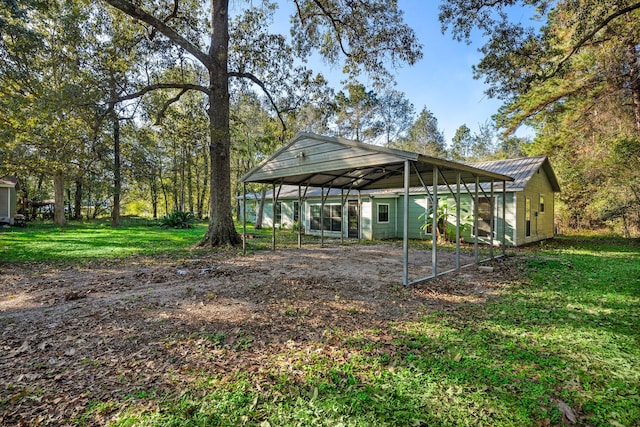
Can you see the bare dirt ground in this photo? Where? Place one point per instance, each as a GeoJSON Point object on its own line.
{"type": "Point", "coordinates": [107, 331]}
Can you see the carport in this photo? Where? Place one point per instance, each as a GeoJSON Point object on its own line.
{"type": "Point", "coordinates": [311, 160]}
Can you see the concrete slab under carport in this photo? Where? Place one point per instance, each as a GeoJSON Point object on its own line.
{"type": "Point", "coordinates": [312, 160]}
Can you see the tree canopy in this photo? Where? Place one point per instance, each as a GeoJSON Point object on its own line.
{"type": "Point", "coordinates": [573, 75]}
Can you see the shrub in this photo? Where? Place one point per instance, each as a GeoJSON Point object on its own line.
{"type": "Point", "coordinates": [178, 219]}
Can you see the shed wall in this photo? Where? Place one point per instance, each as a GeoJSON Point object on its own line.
{"type": "Point", "coordinates": [5, 202]}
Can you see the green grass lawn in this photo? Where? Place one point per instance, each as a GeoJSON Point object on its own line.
{"type": "Point", "coordinates": [84, 241]}
{"type": "Point", "coordinates": [565, 331]}
{"type": "Point", "coordinates": [87, 241]}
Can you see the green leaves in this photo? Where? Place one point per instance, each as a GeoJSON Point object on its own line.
{"type": "Point", "coordinates": [370, 35]}
{"type": "Point", "coordinates": [178, 219]}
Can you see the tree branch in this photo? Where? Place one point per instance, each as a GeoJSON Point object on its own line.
{"type": "Point", "coordinates": [168, 103]}
{"type": "Point", "coordinates": [157, 86]}
{"type": "Point", "coordinates": [333, 21]}
{"type": "Point", "coordinates": [174, 14]}
{"type": "Point", "coordinates": [590, 35]}
{"type": "Point", "coordinates": [334, 24]}
{"type": "Point", "coordinates": [259, 82]}
{"type": "Point", "coordinates": [140, 14]}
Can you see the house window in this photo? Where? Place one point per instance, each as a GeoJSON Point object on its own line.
{"type": "Point", "coordinates": [541, 203]}
{"type": "Point", "coordinates": [332, 217]}
{"type": "Point", "coordinates": [296, 211]}
{"type": "Point", "coordinates": [383, 212]}
{"type": "Point", "coordinates": [278, 213]}
{"type": "Point", "coordinates": [527, 217]}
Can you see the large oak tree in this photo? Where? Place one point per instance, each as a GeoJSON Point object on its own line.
{"type": "Point", "coordinates": [367, 36]}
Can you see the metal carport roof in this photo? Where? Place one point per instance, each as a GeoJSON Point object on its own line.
{"type": "Point", "coordinates": [324, 161]}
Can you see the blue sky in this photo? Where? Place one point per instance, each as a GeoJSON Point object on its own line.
{"type": "Point", "coordinates": [443, 79]}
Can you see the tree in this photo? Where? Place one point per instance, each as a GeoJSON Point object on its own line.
{"type": "Point", "coordinates": [510, 147]}
{"type": "Point", "coordinates": [256, 135]}
{"type": "Point", "coordinates": [367, 33]}
{"type": "Point", "coordinates": [396, 115]}
{"type": "Point", "coordinates": [461, 144]}
{"type": "Point", "coordinates": [48, 122]}
{"type": "Point", "coordinates": [356, 113]}
{"type": "Point", "coordinates": [584, 50]}
{"type": "Point", "coordinates": [483, 145]}
{"type": "Point", "coordinates": [116, 51]}
{"type": "Point", "coordinates": [424, 137]}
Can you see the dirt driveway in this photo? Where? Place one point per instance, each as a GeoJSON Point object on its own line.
{"type": "Point", "coordinates": [75, 335]}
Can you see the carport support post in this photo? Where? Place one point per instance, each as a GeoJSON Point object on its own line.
{"type": "Point", "coordinates": [493, 221]}
{"type": "Point", "coordinates": [434, 224]}
{"type": "Point", "coordinates": [359, 216]}
{"type": "Point", "coordinates": [244, 218]}
{"type": "Point", "coordinates": [322, 217]}
{"type": "Point", "coordinates": [504, 217]}
{"type": "Point", "coordinates": [299, 218]}
{"type": "Point", "coordinates": [405, 223]}
{"type": "Point", "coordinates": [273, 217]}
{"type": "Point", "coordinates": [458, 207]}
{"type": "Point", "coordinates": [475, 221]}
{"type": "Point", "coordinates": [342, 219]}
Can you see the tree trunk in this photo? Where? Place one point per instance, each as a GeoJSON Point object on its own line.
{"type": "Point", "coordinates": [58, 213]}
{"type": "Point", "coordinates": [163, 187]}
{"type": "Point", "coordinates": [221, 229]}
{"type": "Point", "coordinates": [176, 199]}
{"type": "Point", "coordinates": [37, 197]}
{"type": "Point", "coordinates": [154, 195]}
{"type": "Point", "coordinates": [117, 183]}
{"type": "Point", "coordinates": [634, 78]}
{"type": "Point", "coordinates": [183, 163]}
{"type": "Point", "coordinates": [260, 212]}
{"type": "Point", "coordinates": [23, 203]}
{"type": "Point", "coordinates": [77, 201]}
{"type": "Point", "coordinates": [69, 207]}
{"type": "Point", "coordinates": [203, 192]}
{"type": "Point", "coordinates": [190, 181]}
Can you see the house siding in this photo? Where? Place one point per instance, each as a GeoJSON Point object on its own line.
{"type": "Point", "coordinates": [384, 230]}
{"type": "Point", "coordinates": [541, 222]}
{"type": "Point", "coordinates": [287, 214]}
{"type": "Point", "coordinates": [418, 204]}
{"type": "Point", "coordinates": [252, 210]}
{"type": "Point", "coordinates": [366, 214]}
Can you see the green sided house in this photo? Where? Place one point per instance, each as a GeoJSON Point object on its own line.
{"type": "Point", "coordinates": [8, 200]}
{"type": "Point", "coordinates": [378, 214]}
